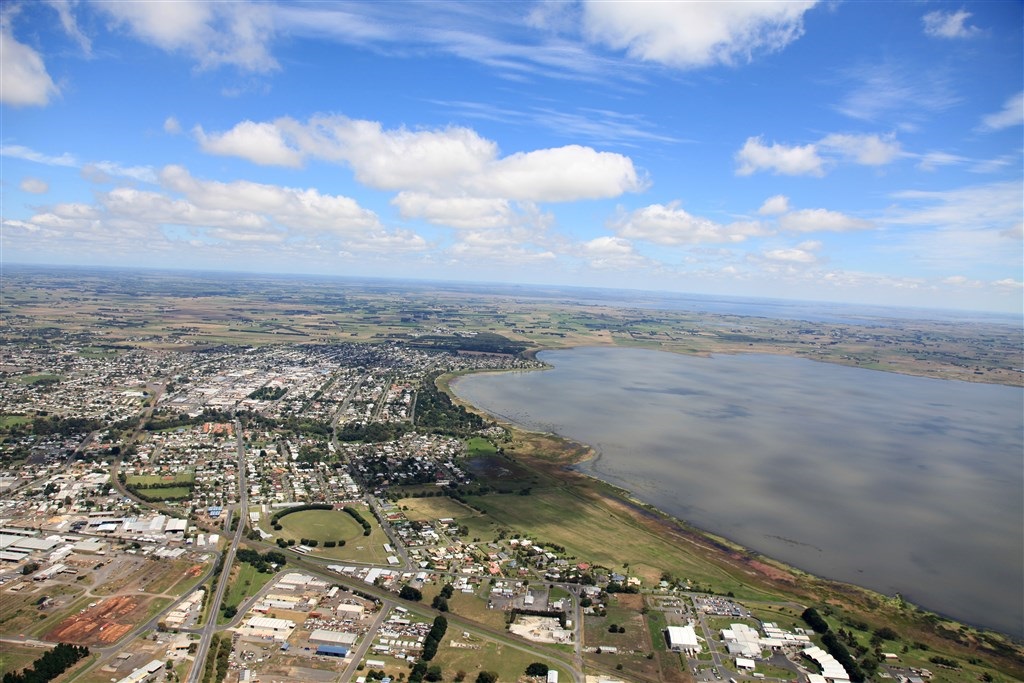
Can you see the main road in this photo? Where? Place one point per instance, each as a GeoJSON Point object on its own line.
{"type": "Point", "coordinates": [213, 608]}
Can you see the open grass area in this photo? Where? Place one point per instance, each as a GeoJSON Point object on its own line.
{"type": "Point", "coordinates": [486, 655]}
{"type": "Point", "coordinates": [163, 480]}
{"type": "Point", "coordinates": [8, 421]}
{"type": "Point", "coordinates": [589, 531]}
{"type": "Point", "coordinates": [321, 525]}
{"type": "Point", "coordinates": [478, 445]}
{"type": "Point", "coordinates": [17, 657]}
{"type": "Point", "coordinates": [475, 607]}
{"type": "Point", "coordinates": [246, 581]}
{"type": "Point", "coordinates": [432, 509]}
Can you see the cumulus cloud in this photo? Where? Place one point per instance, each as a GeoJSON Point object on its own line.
{"type": "Point", "coordinates": [821, 220]}
{"type": "Point", "coordinates": [172, 126]}
{"type": "Point", "coordinates": [260, 143]}
{"type": "Point", "coordinates": [804, 253]}
{"type": "Point", "coordinates": [213, 212]}
{"type": "Point", "coordinates": [24, 80]}
{"type": "Point", "coordinates": [34, 186]}
{"type": "Point", "coordinates": [774, 205]}
{"type": "Point", "coordinates": [515, 247]}
{"type": "Point", "coordinates": [694, 34]}
{"type": "Point", "coordinates": [612, 253]}
{"type": "Point", "coordinates": [448, 176]}
{"type": "Point", "coordinates": [939, 24]}
{"type": "Point", "coordinates": [670, 225]}
{"type": "Point", "coordinates": [455, 212]}
{"type": "Point", "coordinates": [867, 150]}
{"type": "Point", "coordinates": [797, 160]}
{"type": "Point", "coordinates": [212, 33]}
{"type": "Point", "coordinates": [1012, 114]}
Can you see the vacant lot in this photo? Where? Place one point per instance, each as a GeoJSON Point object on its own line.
{"type": "Point", "coordinates": [432, 509]}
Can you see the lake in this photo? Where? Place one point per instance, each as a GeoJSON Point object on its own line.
{"type": "Point", "coordinates": [896, 483]}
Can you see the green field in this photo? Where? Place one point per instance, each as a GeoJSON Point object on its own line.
{"type": "Point", "coordinates": [8, 421]}
{"type": "Point", "coordinates": [159, 479]}
{"type": "Point", "coordinates": [17, 657]}
{"type": "Point", "coordinates": [508, 662]}
{"type": "Point", "coordinates": [432, 509]}
{"type": "Point", "coordinates": [245, 582]}
{"type": "Point", "coordinates": [479, 446]}
{"type": "Point", "coordinates": [321, 525]}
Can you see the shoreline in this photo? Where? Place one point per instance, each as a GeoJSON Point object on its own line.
{"type": "Point", "coordinates": [565, 466]}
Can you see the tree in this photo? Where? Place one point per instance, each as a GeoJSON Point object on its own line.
{"type": "Point", "coordinates": [410, 593]}
{"type": "Point", "coordinates": [440, 603]}
{"type": "Point", "coordinates": [434, 673]}
{"type": "Point", "coordinates": [486, 677]}
{"type": "Point", "coordinates": [537, 669]}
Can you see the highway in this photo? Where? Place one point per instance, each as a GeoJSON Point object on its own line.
{"type": "Point", "coordinates": [213, 607]}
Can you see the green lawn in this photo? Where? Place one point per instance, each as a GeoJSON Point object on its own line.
{"type": "Point", "coordinates": [245, 583]}
{"type": "Point", "coordinates": [479, 446]}
{"type": "Point", "coordinates": [322, 525]}
{"type": "Point", "coordinates": [168, 479]}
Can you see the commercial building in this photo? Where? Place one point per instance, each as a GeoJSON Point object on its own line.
{"type": "Point", "coordinates": [683, 639]}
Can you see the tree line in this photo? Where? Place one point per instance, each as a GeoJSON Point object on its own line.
{"type": "Point", "coordinates": [50, 665]}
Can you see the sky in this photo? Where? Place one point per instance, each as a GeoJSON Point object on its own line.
{"type": "Point", "coordinates": [864, 152]}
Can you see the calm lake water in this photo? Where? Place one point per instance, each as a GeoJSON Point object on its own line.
{"type": "Point", "coordinates": [897, 483]}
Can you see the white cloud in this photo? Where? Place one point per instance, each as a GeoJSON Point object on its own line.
{"type": "Point", "coordinates": [516, 247]}
{"type": "Point", "coordinates": [931, 161]}
{"type": "Point", "coordinates": [1012, 114]}
{"type": "Point", "coordinates": [448, 176]}
{"type": "Point", "coordinates": [1009, 283]}
{"type": "Point", "coordinates": [791, 255]}
{"type": "Point", "coordinates": [455, 212]}
{"type": "Point", "coordinates": [23, 77]}
{"type": "Point", "coordinates": [70, 25]}
{"type": "Point", "coordinates": [172, 126]}
{"type": "Point", "coordinates": [260, 143]}
{"type": "Point", "coordinates": [34, 186]}
{"type": "Point", "coordinates": [868, 150]}
{"type": "Point", "coordinates": [694, 34]}
{"type": "Point", "coordinates": [821, 220]}
{"type": "Point", "coordinates": [774, 205]}
{"type": "Point", "coordinates": [996, 206]}
{"type": "Point", "coordinates": [212, 33]}
{"type": "Point", "coordinates": [21, 152]}
{"type": "Point", "coordinates": [939, 24]}
{"type": "Point", "coordinates": [305, 209]}
{"type": "Point", "coordinates": [804, 253]}
{"type": "Point", "coordinates": [887, 90]}
{"type": "Point", "coordinates": [670, 225]}
{"type": "Point", "coordinates": [796, 160]}
{"type": "Point", "coordinates": [562, 174]}
{"type": "Point", "coordinates": [612, 253]}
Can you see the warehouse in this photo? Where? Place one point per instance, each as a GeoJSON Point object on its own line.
{"type": "Point", "coordinates": [332, 651]}
{"type": "Point", "coordinates": [332, 637]}
{"type": "Point", "coordinates": [683, 639]}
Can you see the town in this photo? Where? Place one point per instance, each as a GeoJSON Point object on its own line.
{"type": "Point", "coordinates": [326, 512]}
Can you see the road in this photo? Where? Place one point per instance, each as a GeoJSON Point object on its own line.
{"type": "Point", "coordinates": [213, 608]}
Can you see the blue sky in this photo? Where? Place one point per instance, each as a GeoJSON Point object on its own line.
{"type": "Point", "coordinates": [842, 151]}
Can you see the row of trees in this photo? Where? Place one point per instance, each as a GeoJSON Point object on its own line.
{"type": "Point", "coordinates": [298, 508]}
{"type": "Point", "coordinates": [50, 665]}
{"type": "Point", "coordinates": [263, 562]}
{"type": "Point", "coordinates": [421, 671]}
{"type": "Point", "coordinates": [359, 518]}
